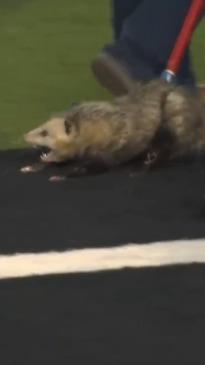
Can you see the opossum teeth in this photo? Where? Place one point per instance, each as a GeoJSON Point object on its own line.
{"type": "Point", "coordinates": [44, 154]}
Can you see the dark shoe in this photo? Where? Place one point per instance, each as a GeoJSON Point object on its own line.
{"type": "Point", "coordinates": [111, 74]}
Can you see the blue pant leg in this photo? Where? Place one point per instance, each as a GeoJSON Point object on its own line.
{"type": "Point", "coordinates": [154, 27]}
{"type": "Point", "coordinates": [148, 36]}
{"type": "Point", "coordinates": [121, 9]}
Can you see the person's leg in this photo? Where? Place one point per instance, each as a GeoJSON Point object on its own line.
{"type": "Point", "coordinates": [153, 28]}
{"type": "Point", "coordinates": [122, 9]}
{"type": "Point", "coordinates": [146, 40]}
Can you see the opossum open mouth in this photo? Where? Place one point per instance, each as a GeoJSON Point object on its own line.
{"type": "Point", "coordinates": [42, 149]}
{"type": "Point", "coordinates": [45, 152]}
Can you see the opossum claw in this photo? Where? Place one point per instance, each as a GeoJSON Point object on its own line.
{"type": "Point", "coordinates": [57, 178]}
{"type": "Point", "coordinates": [150, 158]}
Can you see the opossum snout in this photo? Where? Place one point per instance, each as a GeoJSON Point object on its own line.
{"type": "Point", "coordinates": [26, 137]}
{"type": "Point", "coordinates": [29, 139]}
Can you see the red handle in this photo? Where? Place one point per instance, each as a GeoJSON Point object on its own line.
{"type": "Point", "coordinates": [195, 11]}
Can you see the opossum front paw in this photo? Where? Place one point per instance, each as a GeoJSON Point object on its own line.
{"type": "Point", "coordinates": [32, 168]}
{"type": "Point", "coordinates": [27, 169]}
{"type": "Point", "coordinates": [57, 178]}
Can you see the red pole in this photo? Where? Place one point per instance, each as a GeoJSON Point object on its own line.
{"type": "Point", "coordinates": [184, 38]}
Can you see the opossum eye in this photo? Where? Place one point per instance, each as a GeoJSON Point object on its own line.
{"type": "Point", "coordinates": [67, 126]}
{"type": "Point", "coordinates": [44, 133]}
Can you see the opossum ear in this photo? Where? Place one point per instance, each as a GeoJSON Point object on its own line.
{"type": "Point", "coordinates": [68, 126]}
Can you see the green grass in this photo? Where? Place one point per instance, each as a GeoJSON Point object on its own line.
{"type": "Point", "coordinates": [198, 48]}
{"type": "Point", "coordinates": [46, 49]}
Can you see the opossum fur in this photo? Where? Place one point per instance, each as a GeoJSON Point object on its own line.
{"type": "Point", "coordinates": [116, 132]}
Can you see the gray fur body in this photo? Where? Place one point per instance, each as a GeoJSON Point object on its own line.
{"type": "Point", "coordinates": [115, 132]}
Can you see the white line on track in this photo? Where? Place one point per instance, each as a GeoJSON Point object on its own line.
{"type": "Point", "coordinates": [102, 259]}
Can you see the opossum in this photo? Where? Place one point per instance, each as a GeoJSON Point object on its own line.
{"type": "Point", "coordinates": [112, 133]}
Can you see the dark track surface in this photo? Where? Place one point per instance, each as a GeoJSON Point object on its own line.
{"type": "Point", "coordinates": [130, 317]}
{"type": "Point", "coordinates": [146, 316]}
{"type": "Point", "coordinates": [107, 209]}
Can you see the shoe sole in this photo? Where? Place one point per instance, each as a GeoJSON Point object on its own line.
{"type": "Point", "coordinates": [111, 75]}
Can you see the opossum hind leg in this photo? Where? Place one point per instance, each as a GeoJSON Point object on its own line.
{"type": "Point", "coordinates": [79, 169]}
{"type": "Point", "coordinates": [72, 171]}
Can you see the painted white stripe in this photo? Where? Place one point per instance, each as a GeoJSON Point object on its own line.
{"type": "Point", "coordinates": [100, 259]}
